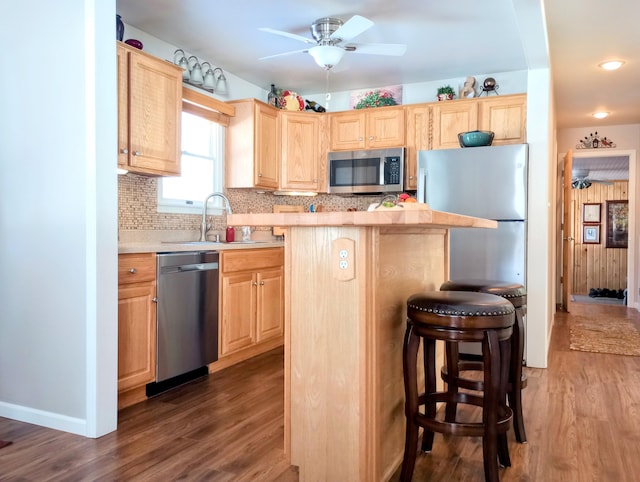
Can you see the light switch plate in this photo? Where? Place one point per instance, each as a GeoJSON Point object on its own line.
{"type": "Point", "coordinates": [343, 259]}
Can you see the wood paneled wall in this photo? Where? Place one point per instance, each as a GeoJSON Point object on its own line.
{"type": "Point", "coordinates": [594, 265]}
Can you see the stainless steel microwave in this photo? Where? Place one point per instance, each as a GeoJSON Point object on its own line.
{"type": "Point", "coordinates": [371, 171]}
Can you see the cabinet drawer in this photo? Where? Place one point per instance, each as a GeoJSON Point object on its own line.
{"type": "Point", "coordinates": [135, 268]}
{"type": "Point", "coordinates": [251, 259]}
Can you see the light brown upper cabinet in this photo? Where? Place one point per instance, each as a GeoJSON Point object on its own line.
{"type": "Point", "coordinates": [149, 113]}
{"type": "Point", "coordinates": [418, 117]}
{"type": "Point", "coordinates": [506, 116]}
{"type": "Point", "coordinates": [451, 117]}
{"type": "Point", "coordinates": [252, 146]}
{"type": "Point", "coordinates": [303, 151]}
{"type": "Point", "coordinates": [367, 129]}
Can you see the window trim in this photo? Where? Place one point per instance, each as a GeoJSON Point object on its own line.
{"type": "Point", "coordinates": [204, 111]}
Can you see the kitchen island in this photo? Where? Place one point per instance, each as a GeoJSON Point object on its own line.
{"type": "Point", "coordinates": [347, 278]}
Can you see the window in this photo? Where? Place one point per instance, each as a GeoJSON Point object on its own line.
{"type": "Point", "coordinates": [202, 168]}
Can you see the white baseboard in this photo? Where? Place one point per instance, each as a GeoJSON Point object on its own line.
{"type": "Point", "coordinates": [44, 419]}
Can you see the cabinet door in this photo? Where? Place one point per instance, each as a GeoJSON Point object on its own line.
{"type": "Point", "coordinates": [384, 127]}
{"type": "Point", "coordinates": [417, 122]}
{"type": "Point", "coordinates": [123, 107]}
{"type": "Point", "coordinates": [347, 131]}
{"type": "Point", "coordinates": [449, 119]}
{"type": "Point", "coordinates": [300, 141]}
{"type": "Point", "coordinates": [155, 107]}
{"type": "Point", "coordinates": [266, 147]}
{"type": "Point", "coordinates": [506, 117]}
{"type": "Point", "coordinates": [238, 312]}
{"type": "Point", "coordinates": [136, 335]}
{"type": "Point", "coordinates": [270, 313]}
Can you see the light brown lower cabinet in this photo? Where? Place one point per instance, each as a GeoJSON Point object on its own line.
{"type": "Point", "coordinates": [136, 326]}
{"type": "Point", "coordinates": [251, 304]}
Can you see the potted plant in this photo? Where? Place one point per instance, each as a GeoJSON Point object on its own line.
{"type": "Point", "coordinates": [446, 92]}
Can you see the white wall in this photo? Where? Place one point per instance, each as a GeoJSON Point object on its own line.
{"type": "Point", "coordinates": [58, 216]}
{"type": "Point", "coordinates": [626, 136]}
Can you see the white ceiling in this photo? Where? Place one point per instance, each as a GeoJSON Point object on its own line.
{"type": "Point", "coordinates": [446, 39]}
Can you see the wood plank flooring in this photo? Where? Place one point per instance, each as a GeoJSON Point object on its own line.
{"type": "Point", "coordinates": [582, 422]}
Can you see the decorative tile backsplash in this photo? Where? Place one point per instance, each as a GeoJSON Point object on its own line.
{"type": "Point", "coordinates": [138, 202]}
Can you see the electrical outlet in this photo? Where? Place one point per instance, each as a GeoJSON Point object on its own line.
{"type": "Point", "coordinates": [343, 259]}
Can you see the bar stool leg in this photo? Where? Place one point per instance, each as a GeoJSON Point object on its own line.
{"type": "Point", "coordinates": [515, 394]}
{"type": "Point", "coordinates": [409, 364]}
{"type": "Point", "coordinates": [491, 357]}
{"type": "Point", "coordinates": [451, 359]}
{"type": "Point", "coordinates": [503, 447]}
{"type": "Point", "coordinates": [430, 387]}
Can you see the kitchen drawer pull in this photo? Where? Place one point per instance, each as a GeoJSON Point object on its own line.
{"type": "Point", "coordinates": [132, 271]}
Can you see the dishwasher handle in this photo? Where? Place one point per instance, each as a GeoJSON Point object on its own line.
{"type": "Point", "coordinates": [189, 267]}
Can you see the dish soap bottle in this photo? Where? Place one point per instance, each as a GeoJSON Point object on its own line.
{"type": "Point", "coordinates": [231, 234]}
{"type": "Point", "coordinates": [272, 96]}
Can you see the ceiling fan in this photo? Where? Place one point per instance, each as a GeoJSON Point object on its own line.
{"type": "Point", "coordinates": [331, 38]}
{"type": "Point", "coordinates": [580, 179]}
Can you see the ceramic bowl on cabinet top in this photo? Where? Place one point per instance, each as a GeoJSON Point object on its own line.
{"type": "Point", "coordinates": [475, 138]}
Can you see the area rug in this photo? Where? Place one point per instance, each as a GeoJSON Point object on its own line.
{"type": "Point", "coordinates": [617, 336]}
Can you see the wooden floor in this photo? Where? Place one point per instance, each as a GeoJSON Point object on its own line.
{"type": "Point", "coordinates": [582, 422]}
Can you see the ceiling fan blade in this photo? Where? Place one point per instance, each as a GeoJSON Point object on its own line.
{"type": "Point", "coordinates": [284, 54]}
{"type": "Point", "coordinates": [352, 28]}
{"type": "Point", "coordinates": [288, 34]}
{"type": "Point", "coordinates": [379, 49]}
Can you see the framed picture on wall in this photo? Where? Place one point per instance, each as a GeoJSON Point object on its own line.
{"type": "Point", "coordinates": [617, 224]}
{"type": "Point", "coordinates": [591, 234]}
{"type": "Point", "coordinates": [591, 213]}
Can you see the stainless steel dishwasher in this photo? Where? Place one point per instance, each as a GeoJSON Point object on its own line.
{"type": "Point", "coordinates": [187, 312]}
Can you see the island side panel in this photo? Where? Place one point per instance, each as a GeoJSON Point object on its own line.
{"type": "Point", "coordinates": [325, 373]}
{"type": "Point", "coordinates": [409, 261]}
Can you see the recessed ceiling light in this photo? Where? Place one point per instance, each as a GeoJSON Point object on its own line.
{"type": "Point", "coordinates": [600, 115]}
{"type": "Point", "coordinates": [611, 64]}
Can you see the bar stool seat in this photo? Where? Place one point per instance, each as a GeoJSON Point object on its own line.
{"type": "Point", "coordinates": [517, 295]}
{"type": "Point", "coordinates": [454, 316]}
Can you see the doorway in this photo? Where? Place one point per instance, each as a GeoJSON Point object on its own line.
{"type": "Point", "coordinates": [600, 176]}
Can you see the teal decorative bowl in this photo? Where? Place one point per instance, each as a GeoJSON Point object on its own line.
{"type": "Point", "coordinates": [475, 138]}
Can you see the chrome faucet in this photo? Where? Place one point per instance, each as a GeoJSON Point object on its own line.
{"type": "Point", "coordinates": [203, 226]}
{"type": "Point", "coordinates": [388, 197]}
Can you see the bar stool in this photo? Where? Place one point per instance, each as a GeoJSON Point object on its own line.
{"type": "Point", "coordinates": [454, 316]}
{"type": "Point", "coordinates": [517, 295]}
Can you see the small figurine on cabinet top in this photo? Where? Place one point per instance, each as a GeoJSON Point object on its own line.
{"type": "Point", "coordinates": [469, 88]}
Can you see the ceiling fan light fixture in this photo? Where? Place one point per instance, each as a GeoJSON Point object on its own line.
{"type": "Point", "coordinates": [611, 64]}
{"type": "Point", "coordinates": [326, 56]}
{"type": "Point", "coordinates": [600, 115]}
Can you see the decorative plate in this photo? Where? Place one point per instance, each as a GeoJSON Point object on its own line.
{"type": "Point", "coordinates": [292, 101]}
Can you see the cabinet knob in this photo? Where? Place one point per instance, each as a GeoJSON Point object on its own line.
{"type": "Point", "coordinates": [370, 138]}
{"type": "Point", "coordinates": [410, 177]}
{"type": "Point", "coordinates": [155, 300]}
{"type": "Point", "coordinates": [137, 153]}
{"type": "Point", "coordinates": [259, 174]}
{"type": "Point", "coordinates": [124, 151]}
{"type": "Point", "coordinates": [132, 271]}
{"type": "Point", "coordinates": [261, 283]}
{"type": "Point", "coordinates": [255, 283]}
{"type": "Point", "coordinates": [360, 138]}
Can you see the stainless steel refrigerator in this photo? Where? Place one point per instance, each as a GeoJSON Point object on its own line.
{"type": "Point", "coordinates": [486, 182]}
